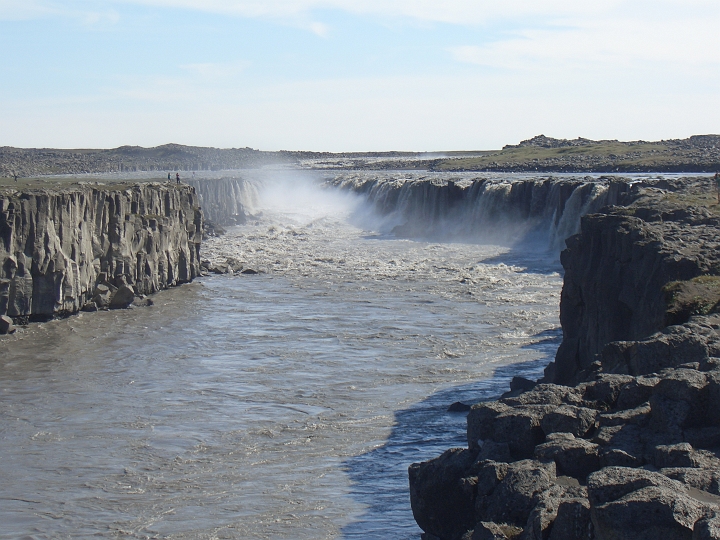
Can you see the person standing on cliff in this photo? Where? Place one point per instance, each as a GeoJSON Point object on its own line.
{"type": "Point", "coordinates": [169, 178]}
{"type": "Point", "coordinates": [177, 177]}
{"type": "Point", "coordinates": [717, 185]}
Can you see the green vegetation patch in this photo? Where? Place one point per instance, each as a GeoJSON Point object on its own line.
{"type": "Point", "coordinates": [697, 296]}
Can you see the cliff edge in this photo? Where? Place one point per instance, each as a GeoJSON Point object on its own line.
{"type": "Point", "coordinates": [621, 439]}
{"type": "Point", "coordinates": [63, 249]}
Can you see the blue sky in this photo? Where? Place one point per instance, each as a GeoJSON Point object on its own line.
{"type": "Point", "coordinates": [355, 75]}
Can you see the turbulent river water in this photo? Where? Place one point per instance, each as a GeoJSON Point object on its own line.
{"type": "Point", "coordinates": [282, 405]}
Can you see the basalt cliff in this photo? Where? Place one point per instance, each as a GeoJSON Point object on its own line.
{"type": "Point", "coordinates": [621, 438]}
{"type": "Point", "coordinates": [63, 249]}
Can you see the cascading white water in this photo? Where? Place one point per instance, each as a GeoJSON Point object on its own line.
{"type": "Point", "coordinates": [479, 210]}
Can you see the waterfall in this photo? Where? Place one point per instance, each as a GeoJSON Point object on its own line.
{"type": "Point", "coordinates": [503, 211]}
{"type": "Point", "coordinates": [226, 200]}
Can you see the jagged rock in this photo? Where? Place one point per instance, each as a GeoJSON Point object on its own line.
{"type": "Point", "coordinates": [573, 457]}
{"type": "Point", "coordinates": [636, 392]}
{"type": "Point", "coordinates": [573, 521]}
{"type": "Point", "coordinates": [635, 504]}
{"type": "Point", "coordinates": [675, 402]}
{"type": "Point", "coordinates": [670, 348]}
{"type": "Point", "coordinates": [517, 494]}
{"type": "Point", "coordinates": [707, 528]}
{"type": "Point", "coordinates": [519, 427]}
{"type": "Point", "coordinates": [569, 419]}
{"type": "Point", "coordinates": [249, 271]}
{"type": "Point", "coordinates": [639, 415]}
{"type": "Point", "coordinates": [6, 325]}
{"type": "Point", "coordinates": [521, 383]}
{"type": "Point", "coordinates": [620, 446]}
{"type": "Point", "coordinates": [122, 298]}
{"type": "Point", "coordinates": [606, 389]}
{"type": "Point", "coordinates": [702, 479]}
{"type": "Point", "coordinates": [439, 503]}
{"type": "Point", "coordinates": [491, 450]}
{"type": "Point", "coordinates": [546, 394]}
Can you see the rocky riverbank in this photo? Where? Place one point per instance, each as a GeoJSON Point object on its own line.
{"type": "Point", "coordinates": [89, 247]}
{"type": "Point", "coordinates": [621, 439]}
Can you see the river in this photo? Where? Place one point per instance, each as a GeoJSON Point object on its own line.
{"type": "Point", "coordinates": [282, 405]}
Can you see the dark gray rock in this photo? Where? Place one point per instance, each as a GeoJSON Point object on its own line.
{"type": "Point", "coordinates": [440, 501]}
{"type": "Point", "coordinates": [569, 419]}
{"type": "Point", "coordinates": [639, 415]}
{"type": "Point", "coordinates": [516, 495]}
{"type": "Point", "coordinates": [573, 521]}
{"type": "Point", "coordinates": [636, 392]}
{"type": "Point", "coordinates": [122, 298]}
{"type": "Point", "coordinates": [636, 504]}
{"type": "Point", "coordinates": [572, 456]}
{"type": "Point", "coordinates": [90, 306]}
{"type": "Point", "coordinates": [702, 479]}
{"type": "Point", "coordinates": [672, 347]}
{"type": "Point", "coordinates": [519, 427]}
{"type": "Point", "coordinates": [546, 394]}
{"type": "Point", "coordinates": [486, 530]}
{"type": "Point", "coordinates": [707, 528]}
{"type": "Point", "coordinates": [6, 325]}
{"type": "Point", "coordinates": [606, 389]}
{"type": "Point", "coordinates": [676, 400]}
{"type": "Point", "coordinates": [649, 513]}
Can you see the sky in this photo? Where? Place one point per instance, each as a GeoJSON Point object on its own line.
{"type": "Point", "coordinates": [355, 75]}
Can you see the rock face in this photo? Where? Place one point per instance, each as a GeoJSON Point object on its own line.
{"type": "Point", "coordinates": [63, 249]}
{"type": "Point", "coordinates": [225, 201]}
{"type": "Point", "coordinates": [621, 439]}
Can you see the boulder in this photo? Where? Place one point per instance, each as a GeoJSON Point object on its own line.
{"type": "Point", "coordinates": [569, 419]}
{"type": "Point", "coordinates": [636, 392]}
{"type": "Point", "coordinates": [487, 530]}
{"type": "Point", "coordinates": [90, 306]}
{"type": "Point", "coordinates": [6, 325]}
{"type": "Point", "coordinates": [573, 521]}
{"type": "Point", "coordinates": [636, 504]}
{"type": "Point", "coordinates": [676, 400]}
{"type": "Point", "coordinates": [572, 456]}
{"type": "Point", "coordinates": [439, 498]}
{"type": "Point", "coordinates": [122, 298]}
{"type": "Point", "coordinates": [648, 514]}
{"type": "Point", "coordinates": [702, 479]}
{"type": "Point", "coordinates": [517, 494]}
{"type": "Point", "coordinates": [519, 427]}
{"type": "Point", "coordinates": [606, 389]}
{"type": "Point", "coordinates": [672, 347]}
{"type": "Point", "coordinates": [707, 528]}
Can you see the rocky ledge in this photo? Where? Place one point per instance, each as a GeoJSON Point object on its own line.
{"type": "Point", "coordinates": [621, 439]}
{"type": "Point", "coordinates": [92, 247]}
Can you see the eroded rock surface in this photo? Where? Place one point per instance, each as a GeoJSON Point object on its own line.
{"type": "Point", "coordinates": [89, 247]}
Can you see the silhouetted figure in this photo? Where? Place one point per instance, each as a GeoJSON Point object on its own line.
{"type": "Point", "coordinates": [177, 177]}
{"type": "Point", "coordinates": [717, 185]}
{"type": "Point", "coordinates": [169, 177]}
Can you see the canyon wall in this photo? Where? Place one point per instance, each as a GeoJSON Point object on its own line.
{"type": "Point", "coordinates": [621, 440]}
{"type": "Point", "coordinates": [57, 245]}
